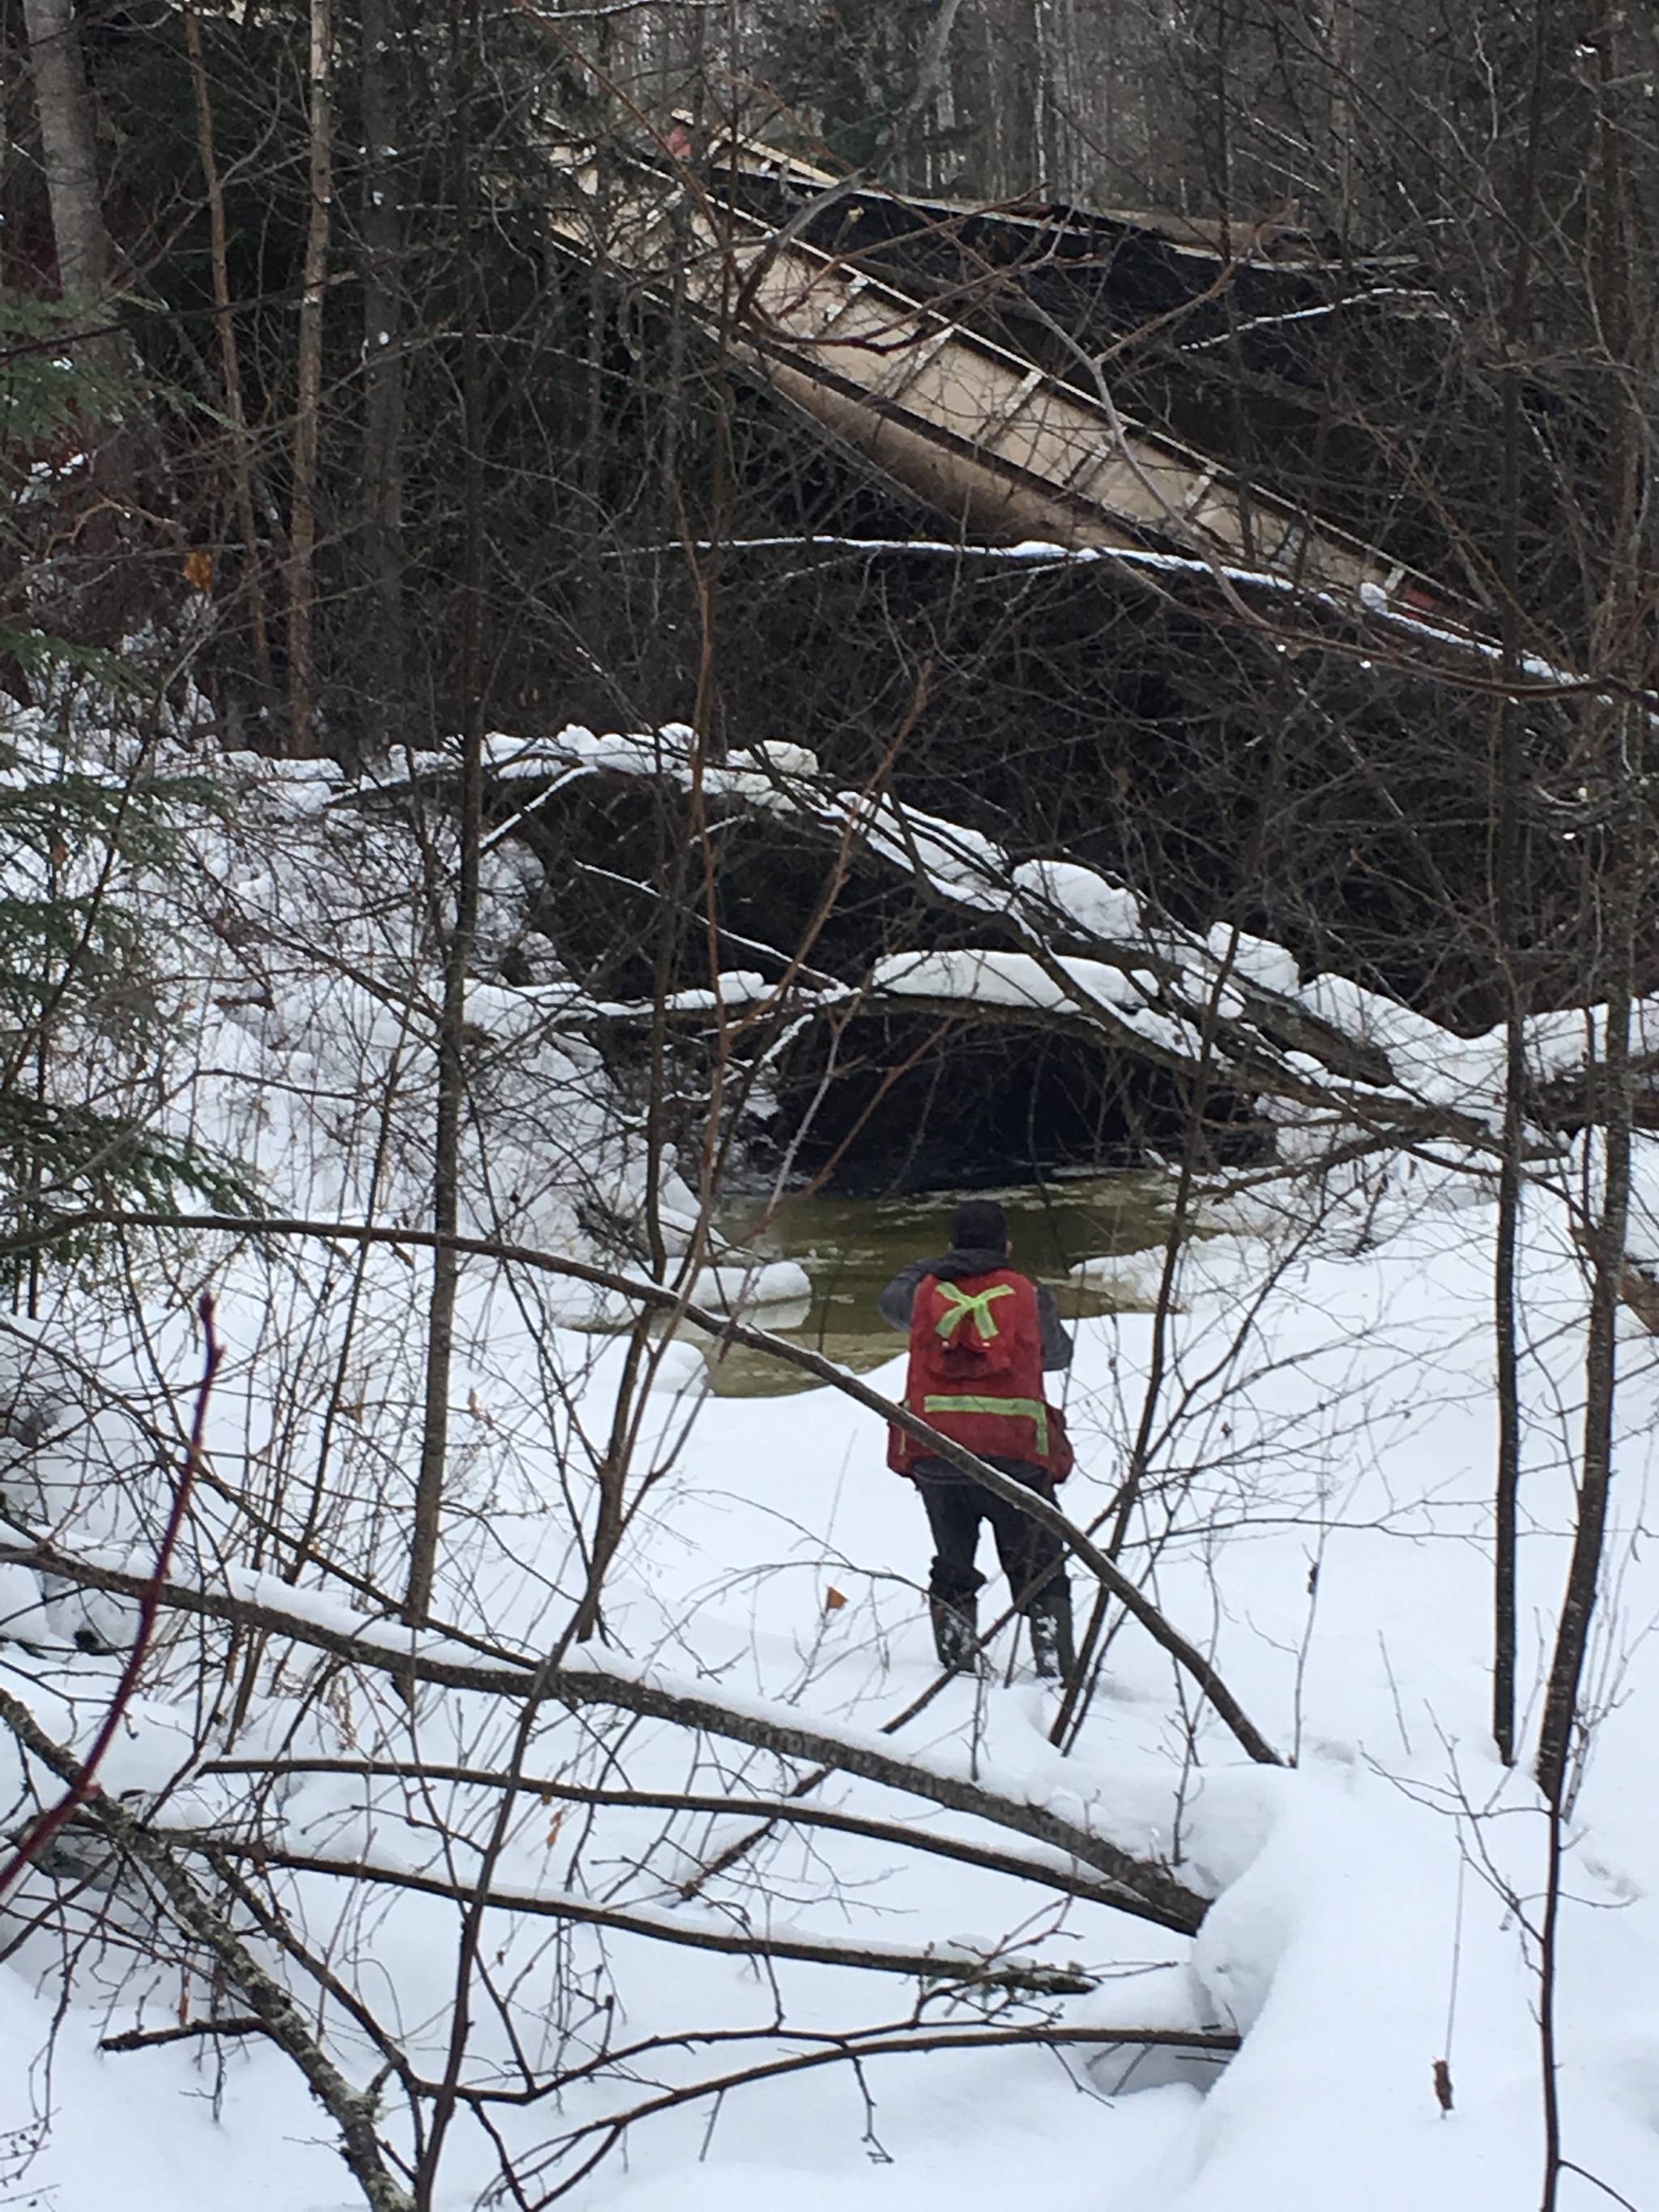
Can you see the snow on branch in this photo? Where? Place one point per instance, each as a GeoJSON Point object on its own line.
{"type": "Point", "coordinates": [1137, 1886]}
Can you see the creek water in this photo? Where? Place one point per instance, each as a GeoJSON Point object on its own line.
{"type": "Point", "coordinates": [848, 1247]}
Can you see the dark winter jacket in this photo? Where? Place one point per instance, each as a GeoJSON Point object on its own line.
{"type": "Point", "coordinates": [895, 1303]}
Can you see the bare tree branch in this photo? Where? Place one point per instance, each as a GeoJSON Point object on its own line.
{"type": "Point", "coordinates": [1029, 1976]}
{"type": "Point", "coordinates": [795, 1811]}
{"type": "Point", "coordinates": [352, 2111]}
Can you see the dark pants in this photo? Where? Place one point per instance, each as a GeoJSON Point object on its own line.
{"type": "Point", "coordinates": [1033, 1560]}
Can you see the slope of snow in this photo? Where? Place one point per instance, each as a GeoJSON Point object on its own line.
{"type": "Point", "coordinates": [1317, 1519]}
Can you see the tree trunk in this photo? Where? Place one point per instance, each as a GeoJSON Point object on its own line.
{"type": "Point", "coordinates": [302, 526]}
{"type": "Point", "coordinates": [381, 232]}
{"type": "Point", "coordinates": [86, 272]}
{"type": "Point", "coordinates": [452, 1039]}
{"type": "Point", "coordinates": [1506, 865]}
{"type": "Point", "coordinates": [1617, 887]}
{"type": "Point", "coordinates": [229, 356]}
{"type": "Point", "coordinates": [1506, 1330]}
{"type": "Point", "coordinates": [86, 259]}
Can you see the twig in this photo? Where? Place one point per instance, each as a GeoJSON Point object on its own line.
{"type": "Point", "coordinates": [1571, 2166]}
{"type": "Point", "coordinates": [84, 1781]}
{"type": "Point", "coordinates": [149, 2039]}
{"type": "Point", "coordinates": [768, 1809]}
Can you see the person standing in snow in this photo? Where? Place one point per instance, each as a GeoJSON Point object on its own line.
{"type": "Point", "coordinates": [981, 1336]}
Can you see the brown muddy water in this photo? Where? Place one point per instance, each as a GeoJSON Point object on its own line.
{"type": "Point", "coordinates": [850, 1247]}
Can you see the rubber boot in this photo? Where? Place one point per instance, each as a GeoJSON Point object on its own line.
{"type": "Point", "coordinates": [1049, 1616]}
{"type": "Point", "coordinates": [955, 1632]}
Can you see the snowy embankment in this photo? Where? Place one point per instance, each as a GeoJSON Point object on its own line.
{"type": "Point", "coordinates": [1326, 1046]}
{"type": "Point", "coordinates": [1316, 1522]}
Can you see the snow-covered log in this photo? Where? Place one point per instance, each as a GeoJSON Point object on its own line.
{"type": "Point", "coordinates": [1071, 947]}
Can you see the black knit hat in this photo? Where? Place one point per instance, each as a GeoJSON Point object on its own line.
{"type": "Point", "coordinates": [979, 1225]}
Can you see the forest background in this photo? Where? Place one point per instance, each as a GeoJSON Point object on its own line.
{"type": "Point", "coordinates": [357, 470]}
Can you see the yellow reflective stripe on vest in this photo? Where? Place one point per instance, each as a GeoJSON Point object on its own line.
{"type": "Point", "coordinates": [1018, 1409]}
{"type": "Point", "coordinates": [963, 1302]}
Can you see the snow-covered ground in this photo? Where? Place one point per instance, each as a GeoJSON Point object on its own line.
{"type": "Point", "coordinates": [1317, 1522]}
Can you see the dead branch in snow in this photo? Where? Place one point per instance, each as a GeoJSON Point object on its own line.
{"type": "Point", "coordinates": [1049, 1874]}
{"type": "Point", "coordinates": [849, 2050]}
{"type": "Point", "coordinates": [994, 1970]}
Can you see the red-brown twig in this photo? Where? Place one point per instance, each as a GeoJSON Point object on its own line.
{"type": "Point", "coordinates": [49, 1823]}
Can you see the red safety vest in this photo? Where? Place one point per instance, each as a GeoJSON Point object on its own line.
{"type": "Point", "coordinates": [976, 1373]}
